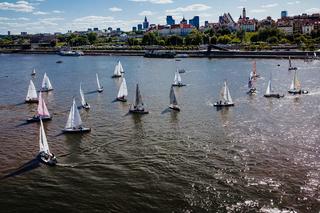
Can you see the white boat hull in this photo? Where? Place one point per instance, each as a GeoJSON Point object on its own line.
{"type": "Point", "coordinates": [76, 130]}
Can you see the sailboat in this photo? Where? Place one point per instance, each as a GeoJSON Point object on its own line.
{"type": "Point", "coordinates": [117, 70]}
{"type": "Point", "coordinates": [84, 104]}
{"type": "Point", "coordinates": [269, 92]}
{"type": "Point", "coordinates": [290, 65]}
{"type": "Point", "coordinates": [173, 100]}
{"type": "Point", "coordinates": [177, 82]}
{"type": "Point", "coordinates": [226, 99]}
{"type": "Point", "coordinates": [100, 88]}
{"type": "Point", "coordinates": [315, 57]}
{"type": "Point", "coordinates": [252, 88]}
{"type": "Point", "coordinates": [254, 73]}
{"type": "Point", "coordinates": [42, 111]}
{"type": "Point", "coordinates": [45, 156]}
{"type": "Point", "coordinates": [46, 84]}
{"type": "Point", "coordinates": [120, 67]}
{"type": "Point", "coordinates": [33, 73]}
{"type": "Point", "coordinates": [295, 87]}
{"type": "Point", "coordinates": [74, 122]}
{"type": "Point", "coordinates": [123, 91]}
{"type": "Point", "coordinates": [32, 96]}
{"type": "Point", "coordinates": [138, 106]}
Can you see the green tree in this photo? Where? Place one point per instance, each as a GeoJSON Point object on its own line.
{"type": "Point", "coordinates": [213, 40]}
{"type": "Point", "coordinates": [92, 37]}
{"type": "Point", "coordinates": [225, 39]}
{"type": "Point", "coordinates": [272, 40]}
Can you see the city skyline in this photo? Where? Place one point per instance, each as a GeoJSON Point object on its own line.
{"type": "Point", "coordinates": [38, 16]}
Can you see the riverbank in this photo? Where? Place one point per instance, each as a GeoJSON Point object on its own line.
{"type": "Point", "coordinates": [185, 53]}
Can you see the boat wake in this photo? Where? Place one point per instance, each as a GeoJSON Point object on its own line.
{"type": "Point", "coordinates": [67, 165]}
{"type": "Point", "coordinates": [209, 103]}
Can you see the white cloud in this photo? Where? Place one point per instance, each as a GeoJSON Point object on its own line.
{"type": "Point", "coordinates": [57, 11]}
{"type": "Point", "coordinates": [293, 2]}
{"type": "Point", "coordinates": [313, 10]}
{"type": "Point", "coordinates": [155, 1]}
{"type": "Point", "coordinates": [40, 13]}
{"type": "Point", "coordinates": [19, 6]}
{"type": "Point", "coordinates": [146, 13]}
{"type": "Point", "coordinates": [115, 9]}
{"type": "Point", "coordinates": [258, 11]}
{"type": "Point", "coordinates": [270, 5]}
{"type": "Point", "coordinates": [190, 8]}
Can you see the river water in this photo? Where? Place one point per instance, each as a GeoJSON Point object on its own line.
{"type": "Point", "coordinates": [260, 156]}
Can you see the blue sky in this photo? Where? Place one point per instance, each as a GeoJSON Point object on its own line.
{"type": "Point", "coordinates": [36, 16]}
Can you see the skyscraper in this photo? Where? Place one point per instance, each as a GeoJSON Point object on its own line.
{"type": "Point", "coordinates": [195, 21]}
{"type": "Point", "coordinates": [139, 27]}
{"type": "Point", "coordinates": [145, 23]}
{"type": "Point", "coordinates": [284, 14]}
{"type": "Point", "coordinates": [170, 20]}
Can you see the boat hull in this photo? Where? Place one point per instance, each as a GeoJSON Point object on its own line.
{"type": "Point", "coordinates": [78, 130]}
{"type": "Point", "coordinates": [223, 104]}
{"type": "Point", "coordinates": [86, 107]}
{"type": "Point", "coordinates": [176, 108]}
{"type": "Point", "coordinates": [252, 91]}
{"type": "Point", "coordinates": [179, 85]}
{"type": "Point", "coordinates": [46, 90]}
{"type": "Point", "coordinates": [121, 99]}
{"type": "Point", "coordinates": [273, 96]}
{"type": "Point", "coordinates": [32, 101]}
{"type": "Point", "coordinates": [37, 119]}
{"type": "Point", "coordinates": [136, 111]}
{"type": "Point", "coordinates": [298, 92]}
{"type": "Point", "coordinates": [116, 76]}
{"type": "Point", "coordinates": [100, 90]}
{"type": "Point", "coordinates": [52, 161]}
{"type": "Point", "coordinates": [292, 68]}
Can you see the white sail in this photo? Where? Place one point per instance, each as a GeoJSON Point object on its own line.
{"type": "Point", "coordinates": [42, 107]}
{"type": "Point", "coordinates": [120, 67]}
{"type": "Point", "coordinates": [123, 91]}
{"type": "Point", "coordinates": [226, 93]}
{"type": "Point", "coordinates": [177, 77]}
{"type": "Point", "coordinates": [43, 142]}
{"type": "Point", "coordinates": [173, 99]}
{"type": "Point", "coordinates": [83, 101]}
{"type": "Point", "coordinates": [117, 71]}
{"type": "Point", "coordinates": [33, 71]}
{"type": "Point", "coordinates": [46, 84]}
{"type": "Point", "coordinates": [295, 84]}
{"type": "Point", "coordinates": [98, 82]}
{"type": "Point", "coordinates": [32, 92]}
{"type": "Point", "coordinates": [74, 119]}
{"type": "Point", "coordinates": [268, 91]}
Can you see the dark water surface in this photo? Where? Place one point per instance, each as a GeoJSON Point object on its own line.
{"type": "Point", "coordinates": [260, 156]}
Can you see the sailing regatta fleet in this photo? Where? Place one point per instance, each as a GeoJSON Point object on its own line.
{"type": "Point", "coordinates": [74, 122]}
